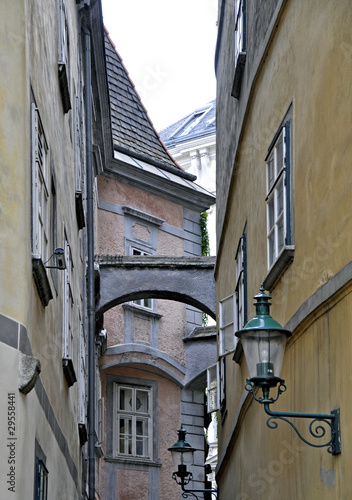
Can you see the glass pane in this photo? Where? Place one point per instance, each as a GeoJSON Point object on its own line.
{"type": "Point", "coordinates": [227, 339]}
{"type": "Point", "coordinates": [280, 234]}
{"type": "Point", "coordinates": [279, 154]}
{"type": "Point", "coordinates": [280, 197]}
{"type": "Point", "coordinates": [125, 400]}
{"type": "Point", "coordinates": [125, 440]}
{"type": "Point", "coordinates": [147, 303]}
{"type": "Point", "coordinates": [271, 213]}
{"type": "Point", "coordinates": [142, 405]}
{"type": "Point", "coordinates": [141, 437]}
{"type": "Point", "coordinates": [226, 316]}
{"type": "Point", "coordinates": [271, 173]}
{"type": "Point", "coordinates": [271, 248]}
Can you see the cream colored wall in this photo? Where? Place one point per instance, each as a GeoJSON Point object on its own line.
{"type": "Point", "coordinates": [14, 177]}
{"type": "Point", "coordinates": [29, 60]}
{"type": "Point", "coordinates": [308, 64]}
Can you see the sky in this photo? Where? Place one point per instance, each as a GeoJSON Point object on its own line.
{"type": "Point", "coordinates": [168, 50]}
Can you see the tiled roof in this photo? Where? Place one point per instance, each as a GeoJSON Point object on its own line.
{"type": "Point", "coordinates": [199, 123]}
{"type": "Point", "coordinates": [132, 130]}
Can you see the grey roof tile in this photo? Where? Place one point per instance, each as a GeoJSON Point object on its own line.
{"type": "Point", "coordinates": [131, 126]}
{"type": "Point", "coordinates": [200, 122]}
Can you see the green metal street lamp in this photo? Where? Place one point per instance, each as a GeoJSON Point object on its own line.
{"type": "Point", "coordinates": [182, 456]}
{"type": "Point", "coordinates": [264, 341]}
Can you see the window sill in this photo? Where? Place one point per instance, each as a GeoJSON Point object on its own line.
{"type": "Point", "coordinates": [133, 461]}
{"type": "Point", "coordinates": [237, 81]}
{"type": "Point", "coordinates": [41, 280]}
{"type": "Point", "coordinates": [279, 266]}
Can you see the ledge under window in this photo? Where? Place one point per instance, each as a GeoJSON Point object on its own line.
{"type": "Point", "coordinates": [41, 280]}
{"type": "Point", "coordinates": [237, 81]}
{"type": "Point", "coordinates": [133, 461]}
{"type": "Point", "coordinates": [142, 312]}
{"type": "Point", "coordinates": [279, 266]}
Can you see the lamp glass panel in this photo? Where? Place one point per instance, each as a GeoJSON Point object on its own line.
{"type": "Point", "coordinates": [181, 458]}
{"type": "Point", "coordinates": [264, 347]}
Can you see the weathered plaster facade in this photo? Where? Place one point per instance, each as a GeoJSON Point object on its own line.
{"type": "Point", "coordinates": [40, 211]}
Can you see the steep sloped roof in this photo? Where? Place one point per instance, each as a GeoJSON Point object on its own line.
{"type": "Point", "coordinates": [132, 130]}
{"type": "Point", "coordinates": [199, 123]}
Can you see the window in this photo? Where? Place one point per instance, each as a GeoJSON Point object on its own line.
{"type": "Point", "coordinates": [40, 206]}
{"type": "Point", "coordinates": [228, 322]}
{"type": "Point", "coordinates": [41, 480]}
{"type": "Point", "coordinates": [213, 384]}
{"type": "Point", "coordinates": [278, 205]}
{"type": "Point", "coordinates": [241, 284]}
{"type": "Point", "coordinates": [240, 46]}
{"type": "Point", "coordinates": [68, 317]}
{"type": "Point", "coordinates": [145, 303]}
{"type": "Point", "coordinates": [233, 309]}
{"type": "Point", "coordinates": [240, 28]}
{"type": "Point", "coordinates": [133, 425]}
{"type": "Point", "coordinates": [40, 188]}
{"type": "Point", "coordinates": [63, 56]}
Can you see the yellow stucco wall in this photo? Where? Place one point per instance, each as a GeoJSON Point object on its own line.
{"type": "Point", "coordinates": [308, 64]}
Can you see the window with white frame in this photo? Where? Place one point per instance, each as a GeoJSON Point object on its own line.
{"type": "Point", "coordinates": [133, 421]}
{"type": "Point", "coordinates": [78, 144]}
{"type": "Point", "coordinates": [82, 380]}
{"type": "Point", "coordinates": [63, 56]}
{"type": "Point", "coordinates": [278, 199]}
{"type": "Point", "coordinates": [63, 42]}
{"type": "Point", "coordinates": [145, 303]}
{"type": "Point", "coordinates": [241, 277]}
{"type": "Point", "coordinates": [40, 188]}
{"type": "Point", "coordinates": [67, 304]}
{"type": "Point", "coordinates": [240, 28]}
{"type": "Point", "coordinates": [227, 324]}
{"type": "Point", "coordinates": [233, 309]}
{"type": "Point", "coordinates": [213, 386]}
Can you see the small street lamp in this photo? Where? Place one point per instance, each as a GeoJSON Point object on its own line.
{"type": "Point", "coordinates": [264, 340]}
{"type": "Point", "coordinates": [182, 456]}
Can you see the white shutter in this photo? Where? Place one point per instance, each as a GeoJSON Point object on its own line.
{"type": "Point", "coordinates": [35, 181]}
{"type": "Point", "coordinates": [66, 304]}
{"type": "Point", "coordinates": [78, 166]}
{"type": "Point", "coordinates": [100, 420]}
{"type": "Point", "coordinates": [213, 402]}
{"type": "Point", "coordinates": [227, 321]}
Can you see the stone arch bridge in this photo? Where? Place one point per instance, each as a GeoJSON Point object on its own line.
{"type": "Point", "coordinates": [185, 279]}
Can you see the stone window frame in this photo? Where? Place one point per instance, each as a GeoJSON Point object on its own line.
{"type": "Point", "coordinates": [111, 455]}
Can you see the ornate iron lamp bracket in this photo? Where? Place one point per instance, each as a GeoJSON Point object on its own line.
{"type": "Point", "coordinates": [318, 427]}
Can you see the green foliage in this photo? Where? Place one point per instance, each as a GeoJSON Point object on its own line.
{"type": "Point", "coordinates": [204, 234]}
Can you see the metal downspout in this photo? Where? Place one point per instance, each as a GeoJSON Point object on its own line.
{"type": "Point", "coordinates": [90, 263]}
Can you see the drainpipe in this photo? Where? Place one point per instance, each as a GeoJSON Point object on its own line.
{"type": "Point", "coordinates": [90, 264]}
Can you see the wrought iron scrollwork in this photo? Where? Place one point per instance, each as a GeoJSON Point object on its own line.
{"type": "Point", "coordinates": [318, 427]}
